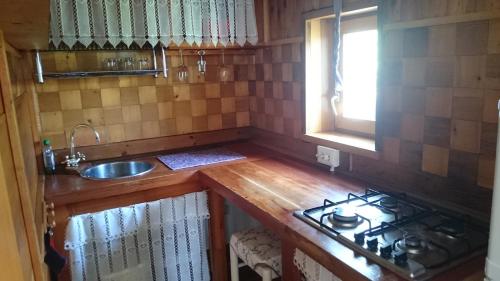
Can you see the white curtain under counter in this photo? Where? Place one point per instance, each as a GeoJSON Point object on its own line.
{"type": "Point", "coordinates": [160, 240]}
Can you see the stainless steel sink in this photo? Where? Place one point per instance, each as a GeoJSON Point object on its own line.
{"type": "Point", "coordinates": [117, 170]}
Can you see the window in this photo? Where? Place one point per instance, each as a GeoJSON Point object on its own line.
{"type": "Point", "coordinates": [354, 112]}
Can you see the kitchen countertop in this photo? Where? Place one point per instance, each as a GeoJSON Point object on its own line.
{"type": "Point", "coordinates": [269, 186]}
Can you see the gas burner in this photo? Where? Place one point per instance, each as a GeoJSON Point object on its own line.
{"type": "Point", "coordinates": [413, 244]}
{"type": "Point", "coordinates": [389, 202]}
{"type": "Point", "coordinates": [345, 216]}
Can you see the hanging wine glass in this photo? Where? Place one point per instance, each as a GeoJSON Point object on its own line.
{"type": "Point", "coordinates": [223, 70]}
{"type": "Point", "coordinates": [182, 70]}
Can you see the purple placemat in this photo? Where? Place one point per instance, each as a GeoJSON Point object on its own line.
{"type": "Point", "coordinates": [198, 158]}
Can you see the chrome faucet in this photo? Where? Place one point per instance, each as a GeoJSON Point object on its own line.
{"type": "Point", "coordinates": [73, 158]}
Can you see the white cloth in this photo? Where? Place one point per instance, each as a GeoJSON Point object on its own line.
{"type": "Point", "coordinates": [154, 21]}
{"type": "Point", "coordinates": [259, 248]}
{"type": "Point", "coordinates": [160, 240]}
{"type": "Point", "coordinates": [311, 269]}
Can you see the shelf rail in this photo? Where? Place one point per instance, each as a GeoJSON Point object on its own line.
{"type": "Point", "coordinates": [41, 75]}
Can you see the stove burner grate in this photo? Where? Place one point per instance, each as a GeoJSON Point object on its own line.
{"type": "Point", "coordinates": [345, 216]}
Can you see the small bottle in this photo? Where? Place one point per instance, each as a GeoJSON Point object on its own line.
{"type": "Point", "coordinates": [48, 158]}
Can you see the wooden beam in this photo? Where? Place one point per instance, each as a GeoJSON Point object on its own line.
{"type": "Point", "coordinates": [494, 14]}
{"type": "Point", "coordinates": [265, 12]}
{"type": "Point", "coordinates": [218, 237]}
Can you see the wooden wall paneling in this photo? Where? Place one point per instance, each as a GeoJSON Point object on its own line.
{"type": "Point", "coordinates": [28, 210]}
{"type": "Point", "coordinates": [11, 259]}
{"type": "Point", "coordinates": [25, 23]}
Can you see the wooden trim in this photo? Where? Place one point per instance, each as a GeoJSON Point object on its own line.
{"type": "Point", "coordinates": [218, 237]}
{"type": "Point", "coordinates": [344, 142]}
{"type": "Point", "coordinates": [443, 20]}
{"type": "Point", "coordinates": [24, 193]}
{"type": "Point", "coordinates": [265, 12]}
{"type": "Point", "coordinates": [348, 10]}
{"type": "Point", "coordinates": [291, 40]}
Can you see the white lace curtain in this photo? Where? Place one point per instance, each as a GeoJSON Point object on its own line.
{"type": "Point", "coordinates": [161, 240]}
{"type": "Point", "coordinates": [155, 21]}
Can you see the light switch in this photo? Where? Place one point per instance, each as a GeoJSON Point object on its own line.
{"type": "Point", "coordinates": [328, 156]}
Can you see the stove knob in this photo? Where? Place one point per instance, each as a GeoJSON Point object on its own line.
{"type": "Point", "coordinates": [359, 238]}
{"type": "Point", "coordinates": [400, 258]}
{"type": "Point", "coordinates": [386, 251]}
{"type": "Point", "coordinates": [372, 244]}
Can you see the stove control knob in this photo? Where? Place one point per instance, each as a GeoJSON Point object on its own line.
{"type": "Point", "coordinates": [386, 251]}
{"type": "Point", "coordinates": [359, 238]}
{"type": "Point", "coordinates": [372, 244]}
{"type": "Point", "coordinates": [400, 258]}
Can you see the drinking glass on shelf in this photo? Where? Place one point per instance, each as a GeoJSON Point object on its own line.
{"type": "Point", "coordinates": [182, 70]}
{"type": "Point", "coordinates": [110, 64]}
{"type": "Point", "coordinates": [143, 64]}
{"type": "Point", "coordinates": [128, 63]}
{"type": "Point", "coordinates": [223, 70]}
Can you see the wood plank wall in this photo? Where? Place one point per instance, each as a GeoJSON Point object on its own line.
{"type": "Point", "coordinates": [437, 121]}
{"type": "Point", "coordinates": [18, 160]}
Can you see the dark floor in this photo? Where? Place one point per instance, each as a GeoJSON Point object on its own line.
{"type": "Point", "coordinates": [247, 274]}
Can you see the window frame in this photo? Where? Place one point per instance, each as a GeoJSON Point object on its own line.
{"type": "Point", "coordinates": [334, 123]}
{"type": "Point", "coordinates": [351, 125]}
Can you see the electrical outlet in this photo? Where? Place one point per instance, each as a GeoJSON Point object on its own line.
{"type": "Point", "coordinates": [328, 156]}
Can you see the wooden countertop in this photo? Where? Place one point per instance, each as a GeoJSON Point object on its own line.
{"type": "Point", "coordinates": [267, 185]}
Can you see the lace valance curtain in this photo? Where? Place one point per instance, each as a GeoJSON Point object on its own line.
{"type": "Point", "coordinates": [155, 21]}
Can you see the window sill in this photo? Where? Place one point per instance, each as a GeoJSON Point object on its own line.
{"type": "Point", "coordinates": [361, 146]}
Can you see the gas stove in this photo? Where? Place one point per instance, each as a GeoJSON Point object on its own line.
{"type": "Point", "coordinates": [408, 237]}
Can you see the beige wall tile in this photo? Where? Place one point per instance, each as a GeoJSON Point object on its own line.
{"type": "Point", "coordinates": [438, 102]}
{"type": "Point", "coordinates": [182, 93]}
{"type": "Point", "coordinates": [199, 107]}
{"type": "Point", "coordinates": [412, 127]}
{"type": "Point", "coordinates": [166, 110]}
{"type": "Point", "coordinates": [242, 119]}
{"type": "Point", "coordinates": [215, 122]}
{"type": "Point", "coordinates": [91, 98]}
{"type": "Point", "coordinates": [129, 96]}
{"type": "Point", "coordinates": [435, 160]}
{"type": "Point", "coordinates": [228, 105]}
{"type": "Point", "coordinates": [466, 135]}
{"type": "Point", "coordinates": [110, 97]}
{"type": "Point", "coordinates": [414, 71]}
{"type": "Point", "coordinates": [70, 100]}
{"type": "Point", "coordinates": [168, 127]}
{"type": "Point", "coordinates": [113, 116]}
{"type": "Point", "coordinates": [149, 112]}
{"type": "Point", "coordinates": [150, 129]}
{"type": "Point", "coordinates": [241, 89]}
{"type": "Point", "coordinates": [116, 133]}
{"type": "Point", "coordinates": [147, 94]}
{"type": "Point", "coordinates": [49, 102]}
{"type": "Point", "coordinates": [89, 84]}
{"type": "Point", "coordinates": [52, 121]}
{"type": "Point", "coordinates": [442, 40]}
{"type": "Point", "coordinates": [182, 108]}
{"type": "Point", "coordinates": [490, 106]}
{"type": "Point", "coordinates": [468, 73]}
{"type": "Point", "coordinates": [131, 113]}
{"type": "Point", "coordinates": [94, 116]}
{"type": "Point", "coordinates": [391, 150]}
{"type": "Point", "coordinates": [486, 172]}
{"type": "Point", "coordinates": [72, 117]}
{"type": "Point", "coordinates": [494, 37]}
{"type": "Point", "coordinates": [212, 90]}
{"type": "Point", "coordinates": [133, 130]}
{"type": "Point", "coordinates": [184, 124]}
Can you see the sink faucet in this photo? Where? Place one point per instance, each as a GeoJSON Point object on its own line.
{"type": "Point", "coordinates": [73, 158]}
